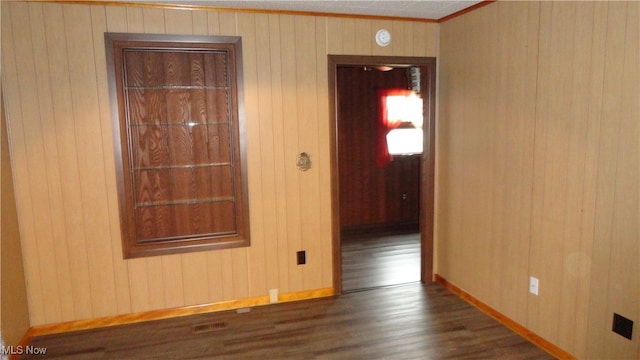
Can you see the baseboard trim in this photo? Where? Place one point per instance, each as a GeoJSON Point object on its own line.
{"type": "Point", "coordinates": [169, 313]}
{"type": "Point", "coordinates": [21, 345]}
{"type": "Point", "coordinates": [88, 324]}
{"type": "Point", "coordinates": [506, 321]}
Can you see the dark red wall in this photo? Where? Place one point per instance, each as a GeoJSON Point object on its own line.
{"type": "Point", "coordinates": [372, 198]}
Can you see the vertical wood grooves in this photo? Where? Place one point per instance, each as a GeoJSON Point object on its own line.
{"type": "Point", "coordinates": [14, 310]}
{"type": "Point", "coordinates": [58, 111]}
{"type": "Point", "coordinates": [495, 226]}
{"type": "Point", "coordinates": [568, 79]}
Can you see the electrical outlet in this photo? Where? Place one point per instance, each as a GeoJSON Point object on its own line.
{"type": "Point", "coordinates": [533, 285]}
{"type": "Point", "coordinates": [273, 296]}
{"type": "Point", "coordinates": [302, 257]}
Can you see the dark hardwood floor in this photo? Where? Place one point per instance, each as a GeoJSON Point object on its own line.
{"type": "Point", "coordinates": [411, 321]}
{"type": "Point", "coordinates": [370, 261]}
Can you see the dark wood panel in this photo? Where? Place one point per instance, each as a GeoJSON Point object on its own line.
{"type": "Point", "coordinates": [176, 67]}
{"type": "Point", "coordinates": [413, 321]}
{"type": "Point", "coordinates": [178, 106]}
{"type": "Point", "coordinates": [181, 137]}
{"type": "Point", "coordinates": [403, 190]}
{"type": "Point", "coordinates": [161, 223]}
{"type": "Point", "coordinates": [371, 196]}
{"type": "Point", "coordinates": [181, 184]}
{"type": "Point", "coordinates": [180, 152]}
{"type": "Point", "coordinates": [166, 145]}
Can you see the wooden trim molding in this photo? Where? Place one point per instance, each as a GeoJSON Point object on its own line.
{"type": "Point", "coordinates": [506, 321]}
{"type": "Point", "coordinates": [464, 11]}
{"type": "Point", "coordinates": [169, 313]}
{"type": "Point", "coordinates": [178, 6]}
{"type": "Point", "coordinates": [21, 345]}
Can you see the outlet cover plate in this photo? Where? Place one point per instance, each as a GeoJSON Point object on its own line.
{"type": "Point", "coordinates": [533, 285]}
{"type": "Point", "coordinates": [302, 257]}
{"type": "Point", "coordinates": [622, 326]}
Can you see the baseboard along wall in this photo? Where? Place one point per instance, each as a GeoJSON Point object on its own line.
{"type": "Point", "coordinates": [506, 321]}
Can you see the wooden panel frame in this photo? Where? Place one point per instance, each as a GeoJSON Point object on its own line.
{"type": "Point", "coordinates": [133, 248]}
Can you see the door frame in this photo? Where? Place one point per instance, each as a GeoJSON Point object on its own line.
{"type": "Point", "coordinates": [427, 172]}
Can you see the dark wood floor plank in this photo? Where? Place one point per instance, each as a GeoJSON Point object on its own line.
{"type": "Point", "coordinates": [370, 261]}
{"type": "Point", "coordinates": [412, 321]}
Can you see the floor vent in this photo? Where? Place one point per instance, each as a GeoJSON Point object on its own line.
{"type": "Point", "coordinates": [202, 328]}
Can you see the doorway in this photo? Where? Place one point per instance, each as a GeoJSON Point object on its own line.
{"type": "Point", "coordinates": [422, 224]}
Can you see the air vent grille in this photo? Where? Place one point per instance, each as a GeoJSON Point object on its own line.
{"type": "Point", "coordinates": [208, 327]}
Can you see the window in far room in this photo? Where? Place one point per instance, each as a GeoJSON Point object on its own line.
{"type": "Point", "coordinates": [407, 137]}
{"type": "Point", "coordinates": [400, 124]}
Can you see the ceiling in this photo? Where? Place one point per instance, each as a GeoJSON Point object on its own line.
{"type": "Point", "coordinates": [417, 9]}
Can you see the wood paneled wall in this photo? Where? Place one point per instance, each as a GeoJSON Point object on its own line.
{"type": "Point", "coordinates": [54, 73]}
{"type": "Point", "coordinates": [14, 313]}
{"type": "Point", "coordinates": [372, 197]}
{"type": "Point", "coordinates": [538, 167]}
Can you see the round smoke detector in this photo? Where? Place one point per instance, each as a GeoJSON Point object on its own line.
{"type": "Point", "coordinates": [383, 37]}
